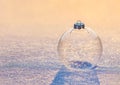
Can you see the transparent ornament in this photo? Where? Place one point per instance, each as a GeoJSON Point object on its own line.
{"type": "Point", "coordinates": [80, 48]}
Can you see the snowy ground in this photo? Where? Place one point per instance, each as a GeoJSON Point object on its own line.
{"type": "Point", "coordinates": [26, 61]}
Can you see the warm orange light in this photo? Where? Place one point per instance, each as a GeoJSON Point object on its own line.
{"type": "Point", "coordinates": [37, 17]}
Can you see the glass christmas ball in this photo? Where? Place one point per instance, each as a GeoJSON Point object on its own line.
{"type": "Point", "coordinates": [80, 47]}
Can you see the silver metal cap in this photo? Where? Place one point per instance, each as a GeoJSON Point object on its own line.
{"type": "Point", "coordinates": [79, 25]}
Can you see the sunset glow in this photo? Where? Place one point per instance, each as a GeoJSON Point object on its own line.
{"type": "Point", "coordinates": [42, 17]}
